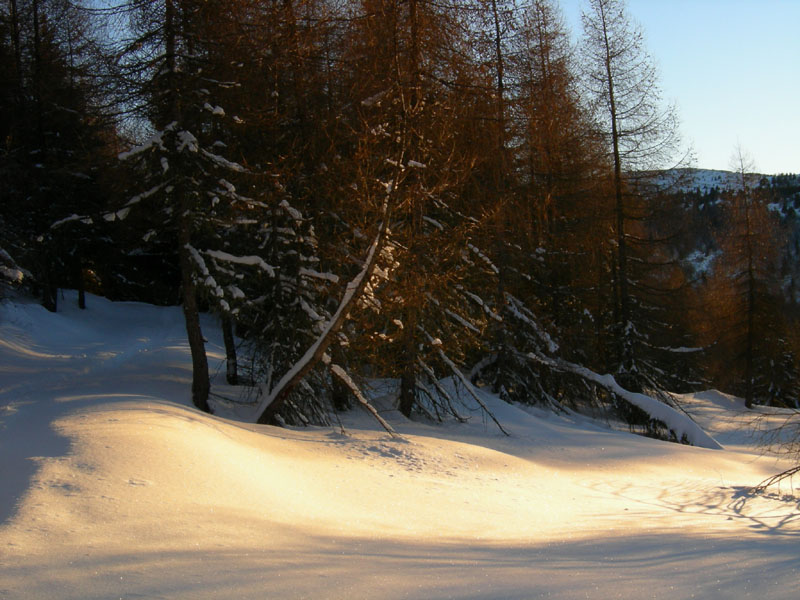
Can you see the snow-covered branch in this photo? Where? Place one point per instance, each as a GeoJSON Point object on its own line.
{"type": "Point", "coordinates": [342, 375]}
{"type": "Point", "coordinates": [464, 381]}
{"type": "Point", "coordinates": [255, 261]}
{"type": "Point", "coordinates": [679, 423]}
{"type": "Point", "coordinates": [273, 400]}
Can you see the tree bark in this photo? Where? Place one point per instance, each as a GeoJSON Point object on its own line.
{"type": "Point", "coordinates": [191, 314]}
{"type": "Point", "coordinates": [79, 282]}
{"type": "Point", "coordinates": [623, 305]}
{"type": "Point", "coordinates": [751, 302]}
{"type": "Point", "coordinates": [500, 260]}
{"type": "Point", "coordinates": [231, 365]}
{"type": "Point", "coordinates": [408, 376]}
{"type": "Point", "coordinates": [18, 103]}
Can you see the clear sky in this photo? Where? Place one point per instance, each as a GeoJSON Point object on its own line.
{"type": "Point", "coordinates": [733, 69]}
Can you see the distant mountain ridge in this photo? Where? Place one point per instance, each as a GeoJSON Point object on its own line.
{"type": "Point", "coordinates": [693, 179]}
{"type": "Point", "coordinates": [702, 196]}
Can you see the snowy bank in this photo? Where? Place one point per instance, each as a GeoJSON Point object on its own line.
{"type": "Point", "coordinates": [115, 487]}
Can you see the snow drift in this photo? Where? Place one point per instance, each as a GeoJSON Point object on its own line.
{"type": "Point", "coordinates": [114, 487]}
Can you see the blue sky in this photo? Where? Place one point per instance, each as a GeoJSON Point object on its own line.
{"type": "Point", "coordinates": [733, 69]}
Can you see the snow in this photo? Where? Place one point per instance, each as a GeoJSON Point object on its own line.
{"type": "Point", "coordinates": [254, 261]}
{"type": "Point", "coordinates": [156, 140]}
{"type": "Point", "coordinates": [702, 263]}
{"type": "Point", "coordinates": [330, 277]}
{"type": "Point", "coordinates": [113, 486]}
{"type": "Point", "coordinates": [317, 349]}
{"type": "Point", "coordinates": [293, 212]}
{"type": "Point", "coordinates": [702, 180]}
{"type": "Point", "coordinates": [483, 257]}
{"type": "Point", "coordinates": [675, 420]}
{"type": "Point", "coordinates": [135, 200]}
{"type": "Point", "coordinates": [217, 111]}
{"type": "Point", "coordinates": [10, 271]}
{"type": "Point", "coordinates": [187, 140]}
{"type": "Point", "coordinates": [225, 164]}
{"type": "Point", "coordinates": [73, 217]}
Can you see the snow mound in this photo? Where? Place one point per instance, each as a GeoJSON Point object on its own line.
{"type": "Point", "coordinates": [115, 487]}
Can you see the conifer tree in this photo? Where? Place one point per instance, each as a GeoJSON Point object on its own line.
{"type": "Point", "coordinates": [411, 86]}
{"type": "Point", "coordinates": [747, 299]}
{"type": "Point", "coordinates": [180, 167]}
{"type": "Point", "coordinates": [56, 136]}
{"type": "Point", "coordinates": [640, 136]}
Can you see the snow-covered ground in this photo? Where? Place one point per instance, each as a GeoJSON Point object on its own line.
{"type": "Point", "coordinates": [112, 486]}
{"type": "Point", "coordinates": [702, 180]}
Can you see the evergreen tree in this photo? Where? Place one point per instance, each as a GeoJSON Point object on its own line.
{"type": "Point", "coordinates": [56, 137]}
{"type": "Point", "coordinates": [180, 168]}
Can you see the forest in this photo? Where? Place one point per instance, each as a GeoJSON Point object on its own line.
{"type": "Point", "coordinates": [399, 189]}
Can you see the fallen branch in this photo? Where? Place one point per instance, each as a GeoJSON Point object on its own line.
{"type": "Point", "coordinates": [346, 379]}
{"type": "Point", "coordinates": [678, 423]}
{"type": "Point", "coordinates": [441, 391]}
{"type": "Point", "coordinates": [469, 387]}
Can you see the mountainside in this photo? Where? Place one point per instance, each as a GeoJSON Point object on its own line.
{"type": "Point", "coordinates": [702, 195]}
{"type": "Point", "coordinates": [706, 180]}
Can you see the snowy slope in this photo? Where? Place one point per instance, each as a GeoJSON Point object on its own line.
{"type": "Point", "coordinates": [114, 487]}
{"type": "Point", "coordinates": [702, 180]}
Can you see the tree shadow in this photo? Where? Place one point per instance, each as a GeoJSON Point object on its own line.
{"type": "Point", "coordinates": [773, 514]}
{"type": "Point", "coordinates": [784, 509]}
{"type": "Point", "coordinates": [655, 565]}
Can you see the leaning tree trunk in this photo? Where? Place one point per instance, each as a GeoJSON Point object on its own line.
{"type": "Point", "coordinates": [275, 400]}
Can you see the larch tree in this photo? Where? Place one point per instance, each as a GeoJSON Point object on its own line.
{"type": "Point", "coordinates": [413, 107]}
{"type": "Point", "coordinates": [640, 135]}
{"type": "Point", "coordinates": [495, 183]}
{"type": "Point", "coordinates": [559, 162]}
{"type": "Point", "coordinates": [544, 232]}
{"type": "Point", "coordinates": [746, 298]}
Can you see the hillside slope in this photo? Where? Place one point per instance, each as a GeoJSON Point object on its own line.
{"type": "Point", "coordinates": [114, 487]}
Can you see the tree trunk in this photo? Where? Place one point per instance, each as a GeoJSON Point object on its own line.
{"type": "Point", "coordinates": [231, 365]}
{"type": "Point", "coordinates": [280, 393]}
{"type": "Point", "coordinates": [623, 305]}
{"type": "Point", "coordinates": [81, 289]}
{"type": "Point", "coordinates": [191, 314]}
{"type": "Point", "coordinates": [408, 345]}
{"type": "Point", "coordinates": [38, 83]}
{"type": "Point", "coordinates": [340, 393]}
{"type": "Point", "coordinates": [16, 116]}
{"type": "Point", "coordinates": [500, 234]}
{"type": "Point", "coordinates": [408, 376]}
{"type": "Point", "coordinates": [751, 280]}
{"type": "Point", "coordinates": [751, 307]}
